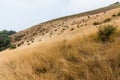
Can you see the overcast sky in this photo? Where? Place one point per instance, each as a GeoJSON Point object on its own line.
{"type": "Point", "coordinates": [21, 14]}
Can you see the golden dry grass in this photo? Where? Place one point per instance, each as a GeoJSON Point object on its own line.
{"type": "Point", "coordinates": [68, 59]}
{"type": "Point", "coordinates": [72, 54]}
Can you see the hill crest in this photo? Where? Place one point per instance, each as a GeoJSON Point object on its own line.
{"type": "Point", "coordinates": [63, 26]}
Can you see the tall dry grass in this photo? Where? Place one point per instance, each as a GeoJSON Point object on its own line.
{"type": "Point", "coordinates": [75, 59]}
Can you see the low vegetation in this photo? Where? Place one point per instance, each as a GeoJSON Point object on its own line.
{"type": "Point", "coordinates": [12, 46]}
{"type": "Point", "coordinates": [107, 20]}
{"type": "Point", "coordinates": [4, 39]}
{"type": "Point", "coordinates": [96, 23]}
{"type": "Point", "coordinates": [118, 14]}
{"type": "Point", "coordinates": [90, 55]}
{"type": "Point", "coordinates": [105, 33]}
{"type": "Point", "coordinates": [75, 59]}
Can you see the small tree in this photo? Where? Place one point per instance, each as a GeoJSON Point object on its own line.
{"type": "Point", "coordinates": [105, 33]}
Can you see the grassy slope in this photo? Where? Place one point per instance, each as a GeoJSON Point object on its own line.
{"type": "Point", "coordinates": [47, 29]}
{"type": "Point", "coordinates": [75, 59]}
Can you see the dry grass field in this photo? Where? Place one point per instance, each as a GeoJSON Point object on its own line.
{"type": "Point", "coordinates": [75, 59]}
{"type": "Point", "coordinates": [65, 49]}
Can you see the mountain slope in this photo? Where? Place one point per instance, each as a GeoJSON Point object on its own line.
{"type": "Point", "coordinates": [62, 26]}
{"type": "Point", "coordinates": [74, 59]}
{"type": "Point", "coordinates": [65, 49]}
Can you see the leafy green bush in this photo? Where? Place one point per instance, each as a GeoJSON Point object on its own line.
{"type": "Point", "coordinates": [4, 39]}
{"type": "Point", "coordinates": [105, 33]}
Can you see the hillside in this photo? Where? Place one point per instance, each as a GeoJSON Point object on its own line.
{"type": "Point", "coordinates": [65, 26]}
{"type": "Point", "coordinates": [85, 46]}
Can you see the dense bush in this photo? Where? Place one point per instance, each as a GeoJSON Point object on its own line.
{"type": "Point", "coordinates": [4, 39]}
{"type": "Point", "coordinates": [105, 33]}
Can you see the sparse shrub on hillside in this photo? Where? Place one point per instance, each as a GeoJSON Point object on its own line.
{"type": "Point", "coordinates": [118, 14]}
{"type": "Point", "coordinates": [63, 29]}
{"type": "Point", "coordinates": [39, 71]}
{"type": "Point", "coordinates": [83, 20]}
{"type": "Point", "coordinates": [13, 46]}
{"type": "Point", "coordinates": [22, 42]}
{"type": "Point", "coordinates": [32, 41]}
{"type": "Point", "coordinates": [88, 16]}
{"type": "Point", "coordinates": [66, 26]}
{"type": "Point", "coordinates": [34, 34]}
{"type": "Point", "coordinates": [18, 45]}
{"type": "Point", "coordinates": [28, 44]}
{"type": "Point", "coordinates": [19, 37]}
{"type": "Point", "coordinates": [85, 24]}
{"type": "Point", "coordinates": [107, 20]}
{"type": "Point", "coordinates": [72, 29]}
{"type": "Point", "coordinates": [113, 15]}
{"type": "Point", "coordinates": [51, 33]}
{"type": "Point", "coordinates": [105, 33]}
{"type": "Point", "coordinates": [55, 29]}
{"type": "Point", "coordinates": [96, 23]}
{"type": "Point", "coordinates": [27, 41]}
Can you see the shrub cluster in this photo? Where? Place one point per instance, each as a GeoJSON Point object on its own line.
{"type": "Point", "coordinates": [105, 33]}
{"type": "Point", "coordinates": [4, 39]}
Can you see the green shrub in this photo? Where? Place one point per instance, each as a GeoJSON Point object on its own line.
{"type": "Point", "coordinates": [12, 46]}
{"type": "Point", "coordinates": [105, 33]}
{"type": "Point", "coordinates": [5, 39]}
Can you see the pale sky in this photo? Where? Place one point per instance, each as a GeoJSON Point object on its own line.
{"type": "Point", "coordinates": [21, 14]}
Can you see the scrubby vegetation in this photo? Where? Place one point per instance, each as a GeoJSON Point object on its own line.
{"type": "Point", "coordinates": [107, 20]}
{"type": "Point", "coordinates": [4, 39]}
{"type": "Point", "coordinates": [84, 54]}
{"type": "Point", "coordinates": [106, 32]}
{"type": "Point", "coordinates": [96, 23]}
{"type": "Point", "coordinates": [12, 46]}
{"type": "Point", "coordinates": [75, 59]}
{"type": "Point", "coordinates": [118, 14]}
